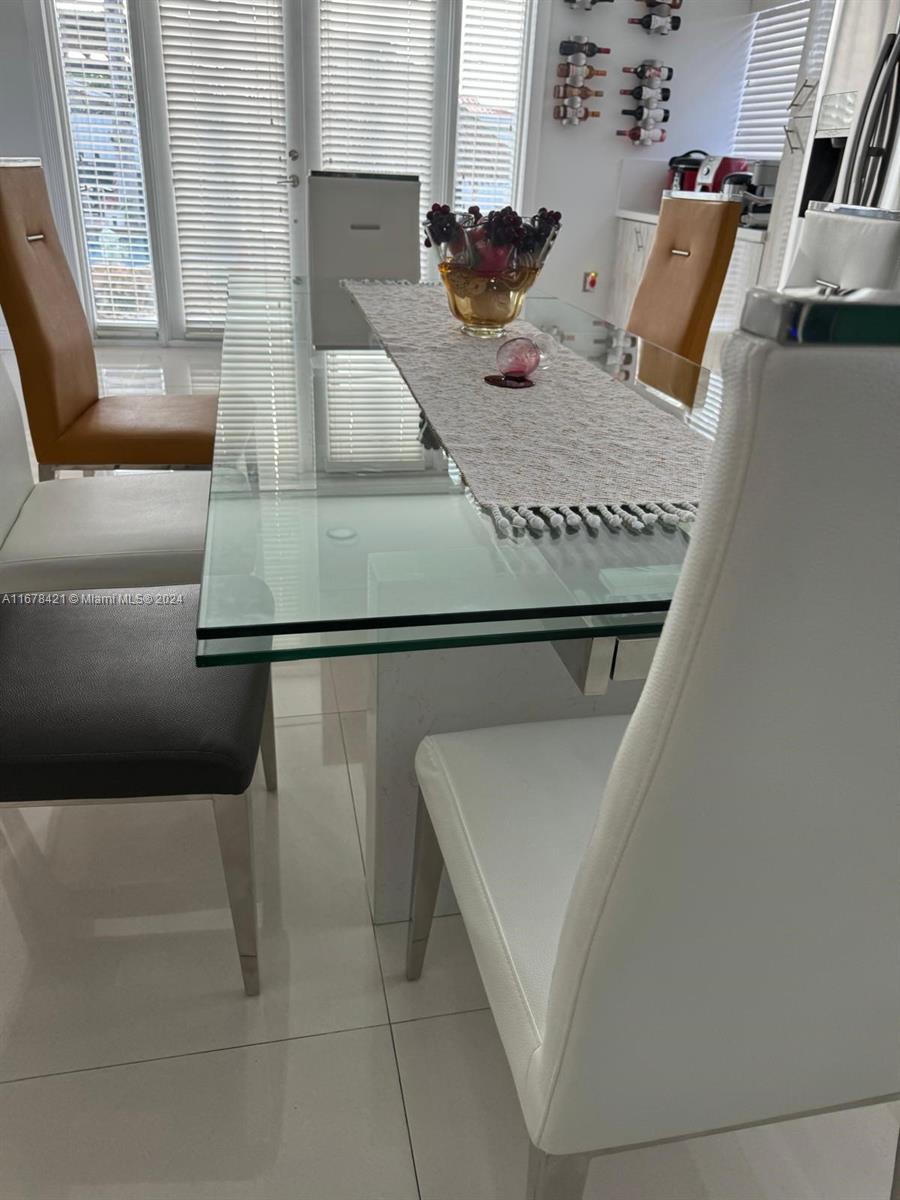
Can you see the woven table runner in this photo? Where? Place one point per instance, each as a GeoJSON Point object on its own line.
{"type": "Point", "coordinates": [577, 448]}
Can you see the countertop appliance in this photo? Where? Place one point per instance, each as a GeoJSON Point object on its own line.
{"type": "Point", "coordinates": [756, 192]}
{"type": "Point", "coordinates": [683, 168]}
{"type": "Point", "coordinates": [714, 169]}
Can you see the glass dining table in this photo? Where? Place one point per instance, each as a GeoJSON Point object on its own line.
{"type": "Point", "coordinates": [339, 525]}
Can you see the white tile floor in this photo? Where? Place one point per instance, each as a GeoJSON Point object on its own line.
{"type": "Point", "coordinates": [133, 1067]}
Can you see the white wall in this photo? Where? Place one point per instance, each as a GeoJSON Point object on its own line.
{"type": "Point", "coordinates": [576, 169]}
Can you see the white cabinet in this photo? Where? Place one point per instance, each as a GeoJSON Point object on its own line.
{"type": "Point", "coordinates": [633, 241]}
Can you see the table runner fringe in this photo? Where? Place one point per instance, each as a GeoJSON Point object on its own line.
{"type": "Point", "coordinates": [636, 518]}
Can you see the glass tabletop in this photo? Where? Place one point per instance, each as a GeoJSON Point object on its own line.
{"type": "Point", "coordinates": [339, 525]}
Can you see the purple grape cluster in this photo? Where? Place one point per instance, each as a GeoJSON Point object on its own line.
{"type": "Point", "coordinates": [535, 233]}
{"type": "Point", "coordinates": [503, 227]}
{"type": "Point", "coordinates": [442, 225]}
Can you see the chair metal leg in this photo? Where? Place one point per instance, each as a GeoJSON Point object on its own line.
{"type": "Point", "coordinates": [556, 1176]}
{"type": "Point", "coordinates": [235, 830]}
{"type": "Point", "coordinates": [267, 742]}
{"type": "Point", "coordinates": [895, 1182]}
{"type": "Point", "coordinates": [428, 863]}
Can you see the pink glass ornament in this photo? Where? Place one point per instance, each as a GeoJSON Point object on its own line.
{"type": "Point", "coordinates": [518, 357]}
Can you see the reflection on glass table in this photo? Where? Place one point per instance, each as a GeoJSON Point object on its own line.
{"type": "Point", "coordinates": [338, 524]}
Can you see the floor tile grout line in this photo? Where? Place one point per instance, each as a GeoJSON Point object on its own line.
{"type": "Point", "coordinates": [412, 1152]}
{"type": "Point", "coordinates": [137, 1062]}
{"type": "Point", "coordinates": [458, 1012]}
{"type": "Point", "coordinates": [387, 1007]}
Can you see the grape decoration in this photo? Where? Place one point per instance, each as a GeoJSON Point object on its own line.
{"type": "Point", "coordinates": [489, 261]}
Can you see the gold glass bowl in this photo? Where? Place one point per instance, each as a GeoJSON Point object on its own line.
{"type": "Point", "coordinates": [487, 264]}
{"type": "Point", "coordinates": [485, 303]}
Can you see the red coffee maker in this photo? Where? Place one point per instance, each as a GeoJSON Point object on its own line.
{"type": "Point", "coordinates": [683, 170]}
{"type": "Point", "coordinates": [716, 167]}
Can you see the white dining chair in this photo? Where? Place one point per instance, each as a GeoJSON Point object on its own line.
{"type": "Point", "coordinates": [843, 247]}
{"type": "Point", "coordinates": [687, 921]}
{"type": "Point", "coordinates": [104, 531]}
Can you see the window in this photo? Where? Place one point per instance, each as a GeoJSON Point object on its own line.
{"type": "Point", "coordinates": [97, 71]}
{"type": "Point", "coordinates": [379, 62]}
{"type": "Point", "coordinates": [379, 65]}
{"type": "Point", "coordinates": [223, 62]}
{"type": "Point", "coordinates": [217, 76]}
{"type": "Point", "coordinates": [771, 79]}
{"type": "Point", "coordinates": [493, 55]}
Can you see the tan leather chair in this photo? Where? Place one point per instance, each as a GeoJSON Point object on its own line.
{"type": "Point", "coordinates": [71, 424]}
{"type": "Point", "coordinates": [679, 291]}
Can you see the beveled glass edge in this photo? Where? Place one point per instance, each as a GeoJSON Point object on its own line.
{"type": "Point", "coordinates": [431, 620]}
{"type": "Point", "coordinates": [219, 651]}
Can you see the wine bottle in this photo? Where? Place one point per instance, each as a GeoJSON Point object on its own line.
{"type": "Point", "coordinates": [569, 71]}
{"type": "Point", "coordinates": [654, 24]}
{"type": "Point", "coordinates": [642, 137]}
{"type": "Point", "coordinates": [656, 116]}
{"type": "Point", "coordinates": [573, 116]}
{"type": "Point", "coordinates": [562, 90]}
{"type": "Point", "coordinates": [646, 93]}
{"type": "Point", "coordinates": [582, 46]}
{"type": "Point", "coordinates": [653, 72]}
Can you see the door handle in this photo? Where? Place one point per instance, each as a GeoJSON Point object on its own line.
{"type": "Point", "coordinates": [290, 180]}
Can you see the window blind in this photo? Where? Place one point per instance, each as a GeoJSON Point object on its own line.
{"type": "Point", "coordinates": [493, 57]}
{"type": "Point", "coordinates": [377, 86]}
{"type": "Point", "coordinates": [98, 80]}
{"type": "Point", "coordinates": [223, 62]}
{"type": "Point", "coordinates": [372, 418]}
{"type": "Point", "coordinates": [776, 51]}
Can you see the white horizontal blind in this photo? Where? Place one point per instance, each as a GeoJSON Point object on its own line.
{"type": "Point", "coordinates": [771, 80]}
{"type": "Point", "coordinates": [98, 79]}
{"type": "Point", "coordinates": [493, 58]}
{"type": "Point", "coordinates": [705, 418]}
{"type": "Point", "coordinates": [223, 62]}
{"type": "Point", "coordinates": [377, 81]}
{"type": "Point", "coordinates": [372, 418]}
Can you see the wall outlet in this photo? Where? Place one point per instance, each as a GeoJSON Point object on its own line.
{"type": "Point", "coordinates": [589, 281]}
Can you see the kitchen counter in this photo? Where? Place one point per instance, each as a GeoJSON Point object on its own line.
{"type": "Point", "coordinates": [651, 218]}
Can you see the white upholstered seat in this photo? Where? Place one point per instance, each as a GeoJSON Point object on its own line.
{"type": "Point", "coordinates": [696, 927]}
{"type": "Point", "coordinates": [106, 531]}
{"type": "Point", "coordinates": [516, 862]}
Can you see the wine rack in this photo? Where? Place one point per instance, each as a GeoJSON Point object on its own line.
{"type": "Point", "coordinates": [574, 74]}
{"type": "Point", "coordinates": [661, 17]}
{"type": "Point", "coordinates": [649, 97]}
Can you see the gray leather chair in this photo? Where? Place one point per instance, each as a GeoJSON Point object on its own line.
{"type": "Point", "coordinates": [101, 701]}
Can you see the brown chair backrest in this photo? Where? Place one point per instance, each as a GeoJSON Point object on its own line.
{"type": "Point", "coordinates": [43, 310]}
{"type": "Point", "coordinates": [680, 289]}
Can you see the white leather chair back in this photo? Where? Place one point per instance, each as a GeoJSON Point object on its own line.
{"type": "Point", "coordinates": [16, 478]}
{"type": "Point", "coordinates": [730, 950]}
{"type": "Point", "coordinates": [847, 248]}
